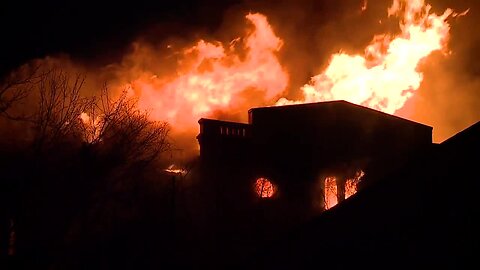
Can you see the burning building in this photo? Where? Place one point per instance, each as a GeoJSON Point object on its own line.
{"type": "Point", "coordinates": [290, 163]}
{"type": "Point", "coordinates": [296, 152]}
{"type": "Point", "coordinates": [413, 218]}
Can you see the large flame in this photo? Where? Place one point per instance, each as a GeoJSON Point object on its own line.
{"type": "Point", "coordinates": [211, 77]}
{"type": "Point", "coordinates": [386, 75]}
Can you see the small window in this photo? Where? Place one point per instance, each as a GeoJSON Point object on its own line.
{"type": "Point", "coordinates": [264, 188]}
{"type": "Point", "coordinates": [330, 193]}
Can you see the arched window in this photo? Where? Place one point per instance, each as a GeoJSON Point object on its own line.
{"type": "Point", "coordinates": [264, 188]}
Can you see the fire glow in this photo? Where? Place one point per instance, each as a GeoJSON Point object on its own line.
{"type": "Point", "coordinates": [264, 188]}
{"type": "Point", "coordinates": [175, 170]}
{"type": "Point", "coordinates": [212, 77]}
{"type": "Point", "coordinates": [386, 76]}
{"type": "Point", "coordinates": [92, 127]}
{"type": "Point", "coordinates": [331, 194]}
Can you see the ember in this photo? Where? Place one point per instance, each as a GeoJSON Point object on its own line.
{"type": "Point", "coordinates": [174, 169]}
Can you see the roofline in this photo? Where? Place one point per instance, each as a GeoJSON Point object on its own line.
{"type": "Point", "coordinates": [221, 121]}
{"type": "Point", "coordinates": [461, 133]}
{"type": "Point", "coordinates": [339, 102]}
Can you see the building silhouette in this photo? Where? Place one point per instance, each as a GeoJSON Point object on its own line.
{"type": "Point", "coordinates": [296, 149]}
{"type": "Point", "coordinates": [298, 146]}
{"type": "Point", "coordinates": [421, 216]}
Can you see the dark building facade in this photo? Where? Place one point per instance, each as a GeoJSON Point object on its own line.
{"type": "Point", "coordinates": [297, 146]}
{"type": "Point", "coordinates": [423, 216]}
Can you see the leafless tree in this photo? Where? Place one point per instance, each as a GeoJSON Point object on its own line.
{"type": "Point", "coordinates": [55, 118]}
{"type": "Point", "coordinates": [120, 129]}
{"type": "Point", "coordinates": [91, 156]}
{"type": "Point", "coordinates": [16, 87]}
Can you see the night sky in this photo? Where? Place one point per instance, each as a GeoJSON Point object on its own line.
{"type": "Point", "coordinates": [95, 29]}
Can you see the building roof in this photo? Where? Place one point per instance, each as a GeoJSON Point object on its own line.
{"type": "Point", "coordinates": [336, 104]}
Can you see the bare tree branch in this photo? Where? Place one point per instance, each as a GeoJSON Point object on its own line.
{"type": "Point", "coordinates": [16, 87]}
{"type": "Point", "coordinates": [59, 107]}
{"type": "Point", "coordinates": [123, 130]}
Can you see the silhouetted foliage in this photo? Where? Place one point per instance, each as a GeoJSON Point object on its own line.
{"type": "Point", "coordinates": [79, 172]}
{"type": "Point", "coordinates": [15, 87]}
{"type": "Point", "coordinates": [122, 131]}
{"type": "Point", "coordinates": [56, 115]}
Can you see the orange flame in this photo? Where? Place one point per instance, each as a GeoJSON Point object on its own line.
{"type": "Point", "coordinates": [352, 183]}
{"type": "Point", "coordinates": [364, 5]}
{"type": "Point", "coordinates": [386, 76]}
{"type": "Point", "coordinates": [91, 127]}
{"type": "Point", "coordinates": [330, 192]}
{"type": "Point", "coordinates": [176, 170]}
{"type": "Point", "coordinates": [211, 78]}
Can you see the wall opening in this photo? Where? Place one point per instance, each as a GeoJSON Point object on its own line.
{"type": "Point", "coordinates": [264, 188]}
{"type": "Point", "coordinates": [331, 194]}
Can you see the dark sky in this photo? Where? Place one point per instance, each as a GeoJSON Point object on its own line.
{"type": "Point", "coordinates": [87, 28]}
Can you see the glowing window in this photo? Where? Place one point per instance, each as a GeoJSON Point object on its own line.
{"type": "Point", "coordinates": [330, 192]}
{"type": "Point", "coordinates": [352, 183]}
{"type": "Point", "coordinates": [264, 188]}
